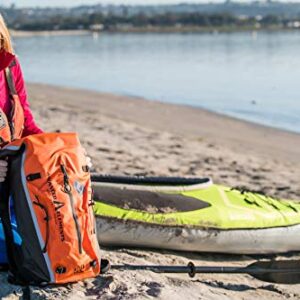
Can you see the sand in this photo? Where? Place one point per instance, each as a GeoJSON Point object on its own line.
{"type": "Point", "coordinates": [45, 33]}
{"type": "Point", "coordinates": [126, 135]}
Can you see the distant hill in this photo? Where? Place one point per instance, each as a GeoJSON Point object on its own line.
{"type": "Point", "coordinates": [250, 9]}
{"type": "Point", "coordinates": [86, 16]}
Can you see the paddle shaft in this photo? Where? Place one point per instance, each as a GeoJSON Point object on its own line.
{"type": "Point", "coordinates": [192, 270]}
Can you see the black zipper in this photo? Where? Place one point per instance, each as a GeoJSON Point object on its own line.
{"type": "Point", "coordinates": [68, 190]}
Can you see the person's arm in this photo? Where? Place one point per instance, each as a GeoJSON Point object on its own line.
{"type": "Point", "coordinates": [30, 126]}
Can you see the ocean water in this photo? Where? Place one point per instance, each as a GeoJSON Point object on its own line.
{"type": "Point", "coordinates": [252, 76]}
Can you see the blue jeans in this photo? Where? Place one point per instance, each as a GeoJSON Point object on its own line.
{"type": "Point", "coordinates": [17, 238]}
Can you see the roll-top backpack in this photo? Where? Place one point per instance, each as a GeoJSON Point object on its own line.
{"type": "Point", "coordinates": [49, 189]}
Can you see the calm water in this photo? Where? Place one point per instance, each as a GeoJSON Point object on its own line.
{"type": "Point", "coordinates": [250, 76]}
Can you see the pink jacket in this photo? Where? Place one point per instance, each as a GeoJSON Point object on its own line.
{"type": "Point", "coordinates": [30, 126]}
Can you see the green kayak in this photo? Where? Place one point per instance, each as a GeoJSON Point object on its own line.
{"type": "Point", "coordinates": [192, 214]}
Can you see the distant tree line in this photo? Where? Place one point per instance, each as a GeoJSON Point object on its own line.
{"type": "Point", "coordinates": [141, 20]}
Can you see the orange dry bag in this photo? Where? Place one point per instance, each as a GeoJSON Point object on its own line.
{"type": "Point", "coordinates": [50, 188]}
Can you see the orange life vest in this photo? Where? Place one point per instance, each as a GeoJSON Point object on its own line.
{"type": "Point", "coordinates": [12, 126]}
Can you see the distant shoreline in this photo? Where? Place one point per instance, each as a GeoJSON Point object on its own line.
{"type": "Point", "coordinates": [172, 29]}
{"type": "Point", "coordinates": [22, 33]}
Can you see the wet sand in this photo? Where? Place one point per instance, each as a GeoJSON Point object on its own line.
{"type": "Point", "coordinates": [125, 135]}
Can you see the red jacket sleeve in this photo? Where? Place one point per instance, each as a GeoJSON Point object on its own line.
{"type": "Point", "coordinates": [30, 126]}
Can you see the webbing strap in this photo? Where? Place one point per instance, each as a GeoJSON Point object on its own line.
{"type": "Point", "coordinates": [13, 92]}
{"type": "Point", "coordinates": [10, 82]}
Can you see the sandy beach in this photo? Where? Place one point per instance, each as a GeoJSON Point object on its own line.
{"type": "Point", "coordinates": [131, 136]}
{"type": "Point", "coordinates": [23, 34]}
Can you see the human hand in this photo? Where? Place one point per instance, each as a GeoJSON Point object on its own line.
{"type": "Point", "coordinates": [88, 159]}
{"type": "Point", "coordinates": [89, 162]}
{"type": "Point", "coordinates": [3, 170]}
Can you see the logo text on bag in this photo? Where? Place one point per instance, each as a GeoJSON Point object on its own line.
{"type": "Point", "coordinates": [58, 205]}
{"type": "Point", "coordinates": [79, 269]}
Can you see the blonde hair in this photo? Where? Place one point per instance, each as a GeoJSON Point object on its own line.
{"type": "Point", "coordinates": [5, 40]}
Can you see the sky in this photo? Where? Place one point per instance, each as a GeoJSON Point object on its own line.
{"type": "Point", "coordinates": [43, 3]}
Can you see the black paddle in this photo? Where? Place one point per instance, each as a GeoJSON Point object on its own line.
{"type": "Point", "coordinates": [283, 272]}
